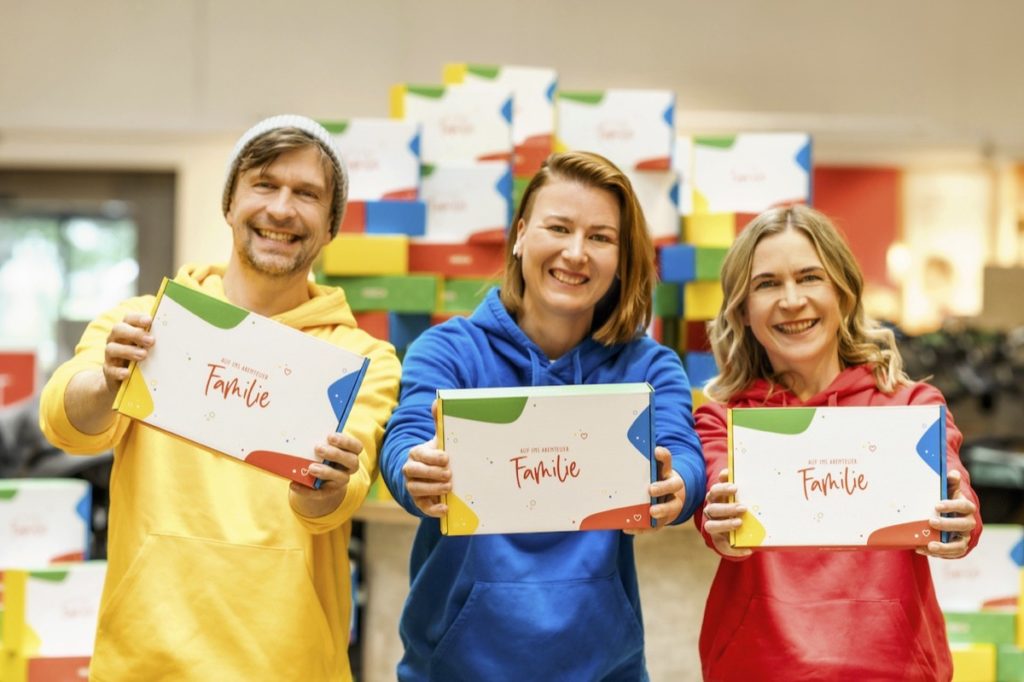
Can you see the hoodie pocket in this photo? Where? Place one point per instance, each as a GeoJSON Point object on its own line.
{"type": "Point", "coordinates": [189, 608]}
{"type": "Point", "coordinates": [834, 639]}
{"type": "Point", "coordinates": [565, 630]}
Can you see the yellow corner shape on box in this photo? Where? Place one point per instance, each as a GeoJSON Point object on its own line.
{"type": "Point", "coordinates": [134, 399]}
{"type": "Point", "coordinates": [460, 519]}
{"type": "Point", "coordinates": [974, 662]}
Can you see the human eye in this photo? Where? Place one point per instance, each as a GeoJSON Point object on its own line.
{"type": "Point", "coordinates": [602, 238]}
{"type": "Point", "coordinates": [559, 229]}
{"type": "Point", "coordinates": [764, 283]}
{"type": "Point", "coordinates": [812, 277]}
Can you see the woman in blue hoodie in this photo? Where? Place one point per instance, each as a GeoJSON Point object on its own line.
{"type": "Point", "coordinates": [572, 308]}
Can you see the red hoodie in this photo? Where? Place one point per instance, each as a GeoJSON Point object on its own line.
{"type": "Point", "coordinates": [820, 614]}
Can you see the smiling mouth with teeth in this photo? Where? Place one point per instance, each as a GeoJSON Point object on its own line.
{"type": "Point", "coordinates": [276, 236]}
{"type": "Point", "coordinates": [796, 327]}
{"type": "Point", "coordinates": [568, 278]}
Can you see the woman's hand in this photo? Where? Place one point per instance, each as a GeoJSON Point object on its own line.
{"type": "Point", "coordinates": [722, 516]}
{"type": "Point", "coordinates": [668, 490]}
{"type": "Point", "coordinates": [428, 477]}
{"type": "Point", "coordinates": [959, 522]}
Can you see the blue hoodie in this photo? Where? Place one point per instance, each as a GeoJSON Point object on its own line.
{"type": "Point", "coordinates": [531, 606]}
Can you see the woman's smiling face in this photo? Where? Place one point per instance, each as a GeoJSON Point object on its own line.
{"type": "Point", "coordinates": [569, 244]}
{"type": "Point", "coordinates": [792, 308]}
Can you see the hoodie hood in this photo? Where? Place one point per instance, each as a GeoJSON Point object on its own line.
{"type": "Point", "coordinates": [844, 389]}
{"type": "Point", "coordinates": [326, 307]}
{"type": "Point", "coordinates": [527, 358]}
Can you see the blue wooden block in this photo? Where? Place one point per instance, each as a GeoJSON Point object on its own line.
{"type": "Point", "coordinates": [396, 217]}
{"type": "Point", "coordinates": [403, 328]}
{"type": "Point", "coordinates": [678, 263]}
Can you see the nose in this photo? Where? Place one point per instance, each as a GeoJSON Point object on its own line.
{"type": "Point", "coordinates": [574, 250]}
{"type": "Point", "coordinates": [792, 297]}
{"type": "Point", "coordinates": [280, 206]}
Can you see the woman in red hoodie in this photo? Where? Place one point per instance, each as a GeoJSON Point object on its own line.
{"type": "Point", "coordinates": [792, 331]}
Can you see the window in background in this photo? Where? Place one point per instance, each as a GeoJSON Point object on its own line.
{"type": "Point", "coordinates": [64, 269]}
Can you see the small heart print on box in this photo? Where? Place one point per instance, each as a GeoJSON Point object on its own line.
{"type": "Point", "coordinates": [637, 517]}
{"type": "Point", "coordinates": [304, 471]}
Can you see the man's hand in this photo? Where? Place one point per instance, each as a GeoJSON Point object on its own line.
{"type": "Point", "coordinates": [128, 340]}
{"type": "Point", "coordinates": [342, 450]}
{"type": "Point", "coordinates": [89, 397]}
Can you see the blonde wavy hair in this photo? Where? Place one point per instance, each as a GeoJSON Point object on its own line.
{"type": "Point", "coordinates": [742, 359]}
{"type": "Point", "coordinates": [626, 309]}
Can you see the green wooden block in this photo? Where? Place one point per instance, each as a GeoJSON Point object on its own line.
{"type": "Point", "coordinates": [985, 627]}
{"type": "Point", "coordinates": [668, 300]}
{"type": "Point", "coordinates": [1009, 663]}
{"type": "Point", "coordinates": [463, 295]}
{"type": "Point", "coordinates": [397, 293]}
{"type": "Point", "coordinates": [709, 262]}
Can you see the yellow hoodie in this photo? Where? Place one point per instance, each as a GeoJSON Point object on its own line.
{"type": "Point", "coordinates": [211, 575]}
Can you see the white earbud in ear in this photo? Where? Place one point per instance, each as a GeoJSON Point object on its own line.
{"type": "Point", "coordinates": [517, 249]}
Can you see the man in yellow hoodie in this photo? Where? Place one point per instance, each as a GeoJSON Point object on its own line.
{"type": "Point", "coordinates": [218, 570]}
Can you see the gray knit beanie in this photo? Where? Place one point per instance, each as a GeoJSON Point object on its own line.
{"type": "Point", "coordinates": [311, 128]}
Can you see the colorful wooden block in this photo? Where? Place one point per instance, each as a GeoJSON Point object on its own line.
{"type": "Point", "coordinates": [357, 254]}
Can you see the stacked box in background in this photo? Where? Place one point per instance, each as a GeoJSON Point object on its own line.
{"type": "Point", "coordinates": [49, 596]}
{"type": "Point", "coordinates": [415, 251]}
{"type": "Point", "coordinates": [724, 182]}
{"type": "Point", "coordinates": [533, 108]}
{"type": "Point", "coordinates": [980, 598]}
{"type": "Point", "coordinates": [50, 621]}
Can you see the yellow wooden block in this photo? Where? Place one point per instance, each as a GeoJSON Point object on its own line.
{"type": "Point", "coordinates": [974, 662]}
{"type": "Point", "coordinates": [360, 254]}
{"type": "Point", "coordinates": [701, 300]}
{"type": "Point", "coordinates": [709, 229]}
{"type": "Point", "coordinates": [698, 397]}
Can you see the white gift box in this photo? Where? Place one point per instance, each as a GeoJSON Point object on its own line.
{"type": "Point", "coordinates": [382, 157]}
{"type": "Point", "coordinates": [52, 611]}
{"type": "Point", "coordinates": [658, 194]}
{"type": "Point", "coordinates": [988, 577]}
{"type": "Point", "coordinates": [682, 164]}
{"type": "Point", "coordinates": [467, 201]}
{"type": "Point", "coordinates": [517, 469]}
{"type": "Point", "coordinates": [457, 123]}
{"type": "Point", "coordinates": [632, 128]}
{"type": "Point", "coordinates": [533, 106]}
{"type": "Point", "coordinates": [43, 520]}
{"type": "Point", "coordinates": [751, 172]}
{"type": "Point", "coordinates": [837, 476]}
{"type": "Point", "coordinates": [240, 383]}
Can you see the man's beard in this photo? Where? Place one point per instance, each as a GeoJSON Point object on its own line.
{"type": "Point", "coordinates": [273, 265]}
